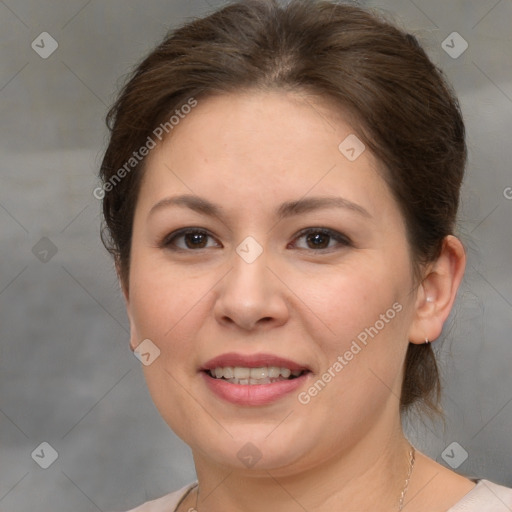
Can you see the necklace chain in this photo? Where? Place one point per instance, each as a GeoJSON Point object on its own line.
{"type": "Point", "coordinates": [412, 458]}
{"type": "Point", "coordinates": [406, 486]}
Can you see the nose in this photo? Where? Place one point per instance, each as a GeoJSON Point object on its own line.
{"type": "Point", "coordinates": [251, 296]}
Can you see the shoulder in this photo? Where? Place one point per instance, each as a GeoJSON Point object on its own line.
{"type": "Point", "coordinates": [486, 496]}
{"type": "Point", "coordinates": [167, 503]}
{"type": "Point", "coordinates": [438, 488]}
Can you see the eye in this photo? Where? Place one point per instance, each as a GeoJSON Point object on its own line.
{"type": "Point", "coordinates": [321, 238]}
{"type": "Point", "coordinates": [193, 238]}
{"type": "Point", "coordinates": [317, 239]}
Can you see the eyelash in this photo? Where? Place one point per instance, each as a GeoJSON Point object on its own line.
{"type": "Point", "coordinates": [169, 241]}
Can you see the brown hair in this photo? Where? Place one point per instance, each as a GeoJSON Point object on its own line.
{"type": "Point", "coordinates": [404, 111]}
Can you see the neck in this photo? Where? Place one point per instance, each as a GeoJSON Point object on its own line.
{"type": "Point", "coordinates": [370, 474]}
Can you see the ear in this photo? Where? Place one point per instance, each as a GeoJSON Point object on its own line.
{"type": "Point", "coordinates": [134, 338]}
{"type": "Point", "coordinates": [436, 293]}
{"type": "Point", "coordinates": [122, 282]}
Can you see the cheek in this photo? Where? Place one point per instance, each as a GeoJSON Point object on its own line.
{"type": "Point", "coordinates": [351, 300]}
{"type": "Point", "coordinates": [168, 311]}
{"type": "Point", "coordinates": [160, 296]}
{"type": "Point", "coordinates": [170, 307]}
{"type": "Point", "coordinates": [367, 314]}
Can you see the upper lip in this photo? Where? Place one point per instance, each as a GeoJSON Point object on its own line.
{"type": "Point", "coordinates": [252, 361]}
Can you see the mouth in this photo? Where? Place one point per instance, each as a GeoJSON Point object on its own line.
{"type": "Point", "coordinates": [253, 379]}
{"type": "Point", "coordinates": [245, 376]}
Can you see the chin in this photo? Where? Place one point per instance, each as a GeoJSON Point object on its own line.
{"type": "Point", "coordinates": [257, 447]}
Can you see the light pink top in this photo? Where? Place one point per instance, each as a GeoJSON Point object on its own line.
{"type": "Point", "coordinates": [484, 497]}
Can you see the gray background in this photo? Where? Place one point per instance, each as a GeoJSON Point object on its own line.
{"type": "Point", "coordinates": [67, 375]}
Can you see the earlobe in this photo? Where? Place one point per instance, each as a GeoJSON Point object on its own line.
{"type": "Point", "coordinates": [437, 292]}
{"type": "Point", "coordinates": [134, 335]}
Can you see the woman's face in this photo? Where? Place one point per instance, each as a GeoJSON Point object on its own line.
{"type": "Point", "coordinates": [259, 243]}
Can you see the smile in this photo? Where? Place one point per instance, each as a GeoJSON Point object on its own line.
{"type": "Point", "coordinates": [251, 376]}
{"type": "Point", "coordinates": [254, 379]}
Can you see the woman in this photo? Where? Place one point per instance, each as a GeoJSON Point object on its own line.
{"type": "Point", "coordinates": [280, 192]}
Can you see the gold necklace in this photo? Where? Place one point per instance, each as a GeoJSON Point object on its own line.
{"type": "Point", "coordinates": [406, 486]}
{"type": "Point", "coordinates": [412, 458]}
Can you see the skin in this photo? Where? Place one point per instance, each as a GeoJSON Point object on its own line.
{"type": "Point", "coordinates": [248, 153]}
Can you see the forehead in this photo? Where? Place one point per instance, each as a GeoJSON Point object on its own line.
{"type": "Point", "coordinates": [257, 124]}
{"type": "Point", "coordinates": [277, 142]}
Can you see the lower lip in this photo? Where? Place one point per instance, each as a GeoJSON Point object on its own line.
{"type": "Point", "coordinates": [253, 394]}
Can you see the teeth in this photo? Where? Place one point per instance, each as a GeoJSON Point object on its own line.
{"type": "Point", "coordinates": [285, 372]}
{"type": "Point", "coordinates": [228, 372]}
{"type": "Point", "coordinates": [247, 376]}
{"type": "Point", "coordinates": [259, 373]}
{"type": "Point", "coordinates": [273, 372]}
{"type": "Point", "coordinates": [239, 372]}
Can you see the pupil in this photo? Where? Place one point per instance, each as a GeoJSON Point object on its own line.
{"type": "Point", "coordinates": [316, 238]}
{"type": "Point", "coordinates": [195, 239]}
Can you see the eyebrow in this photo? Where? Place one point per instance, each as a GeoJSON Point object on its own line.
{"type": "Point", "coordinates": [285, 210]}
